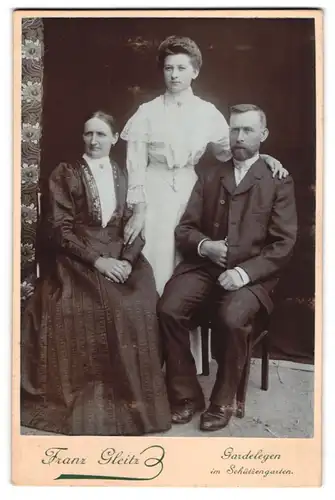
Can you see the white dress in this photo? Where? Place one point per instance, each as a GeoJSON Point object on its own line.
{"type": "Point", "coordinates": [166, 138]}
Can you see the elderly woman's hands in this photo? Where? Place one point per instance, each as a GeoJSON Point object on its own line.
{"type": "Point", "coordinates": [127, 267]}
{"type": "Point", "coordinates": [114, 269]}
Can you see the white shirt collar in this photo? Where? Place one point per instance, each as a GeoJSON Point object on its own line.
{"type": "Point", "coordinates": [105, 160]}
{"type": "Point", "coordinates": [246, 164]}
{"type": "Point", "coordinates": [182, 98]}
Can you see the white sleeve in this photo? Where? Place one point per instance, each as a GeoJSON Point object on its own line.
{"type": "Point", "coordinates": [219, 136]}
{"type": "Point", "coordinates": [243, 274]}
{"type": "Point", "coordinates": [199, 246]}
{"type": "Point", "coordinates": [136, 133]}
{"type": "Point", "coordinates": [137, 160]}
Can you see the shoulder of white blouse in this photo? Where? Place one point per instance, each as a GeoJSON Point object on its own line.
{"type": "Point", "coordinates": [137, 123]}
{"type": "Point", "coordinates": [205, 104]}
{"type": "Point", "coordinates": [208, 108]}
{"type": "Point", "coordinates": [150, 106]}
{"type": "Point", "coordinates": [217, 113]}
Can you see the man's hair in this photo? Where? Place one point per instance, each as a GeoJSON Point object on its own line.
{"type": "Point", "coordinates": [243, 108]}
{"type": "Point", "coordinates": [179, 45]}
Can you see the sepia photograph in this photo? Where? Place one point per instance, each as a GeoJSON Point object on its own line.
{"type": "Point", "coordinates": [168, 224]}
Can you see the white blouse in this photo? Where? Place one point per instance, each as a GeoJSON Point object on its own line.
{"type": "Point", "coordinates": [174, 131]}
{"type": "Point", "coordinates": [102, 172]}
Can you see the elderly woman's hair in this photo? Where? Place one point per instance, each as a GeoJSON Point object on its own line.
{"type": "Point", "coordinates": [243, 108]}
{"type": "Point", "coordinates": [179, 45]}
{"type": "Point", "coordinates": [105, 117]}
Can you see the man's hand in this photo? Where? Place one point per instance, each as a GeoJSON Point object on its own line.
{"type": "Point", "coordinates": [230, 280]}
{"type": "Point", "coordinates": [216, 251]}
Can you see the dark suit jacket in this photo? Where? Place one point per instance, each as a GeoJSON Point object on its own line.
{"type": "Point", "coordinates": [262, 224]}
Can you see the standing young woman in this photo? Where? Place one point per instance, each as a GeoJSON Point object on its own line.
{"type": "Point", "coordinates": [166, 138]}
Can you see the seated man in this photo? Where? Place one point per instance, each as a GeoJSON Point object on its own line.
{"type": "Point", "coordinates": [238, 231]}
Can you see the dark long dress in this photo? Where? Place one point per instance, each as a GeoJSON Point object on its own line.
{"type": "Point", "coordinates": [90, 356]}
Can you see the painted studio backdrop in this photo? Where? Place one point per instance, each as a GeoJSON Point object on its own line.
{"type": "Point", "coordinates": [70, 66]}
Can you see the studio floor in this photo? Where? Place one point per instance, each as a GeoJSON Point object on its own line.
{"type": "Point", "coordinates": [284, 411]}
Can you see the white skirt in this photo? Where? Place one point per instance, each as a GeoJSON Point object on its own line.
{"type": "Point", "coordinates": [165, 206]}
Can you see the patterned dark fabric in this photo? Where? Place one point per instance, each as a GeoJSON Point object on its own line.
{"type": "Point", "coordinates": [91, 356]}
{"type": "Point", "coordinates": [31, 111]}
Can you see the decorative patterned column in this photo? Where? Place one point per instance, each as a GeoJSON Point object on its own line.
{"type": "Point", "coordinates": [31, 110]}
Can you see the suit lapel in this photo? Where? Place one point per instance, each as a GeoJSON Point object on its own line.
{"type": "Point", "coordinates": [255, 172]}
{"type": "Point", "coordinates": [253, 175]}
{"type": "Point", "coordinates": [228, 178]}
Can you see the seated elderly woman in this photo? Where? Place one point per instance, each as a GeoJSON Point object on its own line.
{"type": "Point", "coordinates": [90, 352]}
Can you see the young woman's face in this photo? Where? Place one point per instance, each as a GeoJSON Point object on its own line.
{"type": "Point", "coordinates": [98, 138]}
{"type": "Point", "coordinates": [178, 72]}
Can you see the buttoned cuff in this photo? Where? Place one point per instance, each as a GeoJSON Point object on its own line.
{"type": "Point", "coordinates": [243, 275]}
{"type": "Point", "coordinates": [199, 246]}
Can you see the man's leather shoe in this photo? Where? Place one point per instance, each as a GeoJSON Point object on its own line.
{"type": "Point", "coordinates": [215, 417]}
{"type": "Point", "coordinates": [183, 413]}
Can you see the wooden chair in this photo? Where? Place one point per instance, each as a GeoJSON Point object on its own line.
{"type": "Point", "coordinates": [260, 336]}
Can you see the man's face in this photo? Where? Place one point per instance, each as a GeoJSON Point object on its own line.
{"type": "Point", "coordinates": [246, 134]}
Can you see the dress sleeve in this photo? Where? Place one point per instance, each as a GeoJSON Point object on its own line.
{"type": "Point", "coordinates": [131, 252]}
{"type": "Point", "coordinates": [136, 133]}
{"type": "Point", "coordinates": [64, 187]}
{"type": "Point", "coordinates": [219, 135]}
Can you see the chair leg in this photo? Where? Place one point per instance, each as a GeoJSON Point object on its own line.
{"type": "Point", "coordinates": [243, 385]}
{"type": "Point", "coordinates": [265, 363]}
{"type": "Point", "coordinates": [205, 350]}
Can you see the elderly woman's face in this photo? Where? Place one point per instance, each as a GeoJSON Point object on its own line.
{"type": "Point", "coordinates": [98, 138]}
{"type": "Point", "coordinates": [178, 72]}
